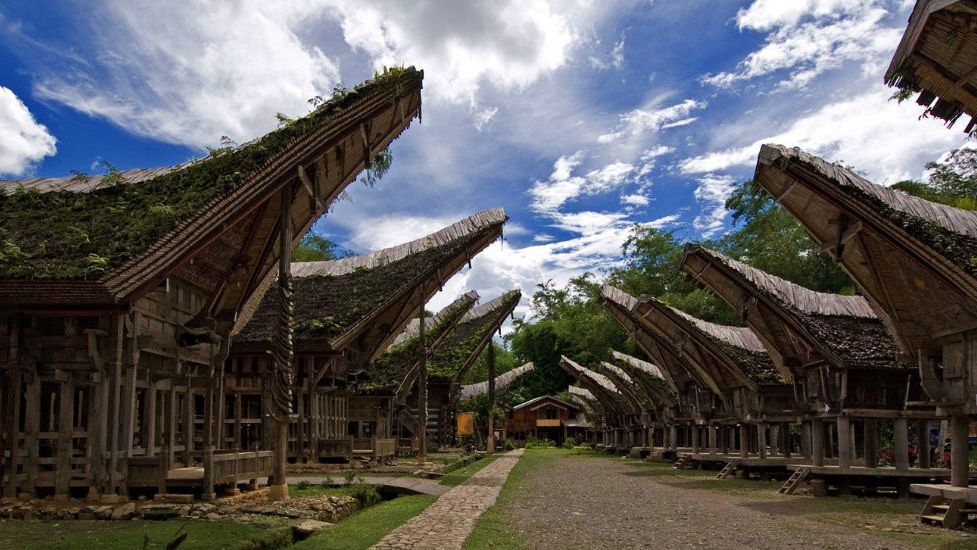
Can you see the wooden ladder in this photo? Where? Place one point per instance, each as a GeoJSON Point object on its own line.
{"type": "Point", "coordinates": [948, 513]}
{"type": "Point", "coordinates": [728, 469]}
{"type": "Point", "coordinates": [794, 481]}
{"type": "Point", "coordinates": [682, 462]}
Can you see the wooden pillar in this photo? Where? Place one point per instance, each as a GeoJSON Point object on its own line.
{"type": "Point", "coordinates": [66, 410]}
{"type": "Point", "coordinates": [959, 450]}
{"type": "Point", "coordinates": [713, 446]}
{"type": "Point", "coordinates": [150, 415]}
{"type": "Point", "coordinates": [761, 440]}
{"type": "Point", "coordinates": [817, 442]}
{"type": "Point", "coordinates": [806, 440]}
{"type": "Point", "coordinates": [238, 412]}
{"type": "Point", "coordinates": [923, 449]}
{"type": "Point", "coordinates": [32, 424]}
{"type": "Point", "coordinates": [785, 443]}
{"type": "Point", "coordinates": [844, 442]}
{"type": "Point", "coordinates": [724, 437]}
{"type": "Point", "coordinates": [283, 355]}
{"type": "Point", "coordinates": [744, 440]}
{"type": "Point", "coordinates": [870, 446]}
{"type": "Point", "coordinates": [170, 438]}
{"type": "Point", "coordinates": [900, 443]}
{"type": "Point", "coordinates": [673, 437]}
{"type": "Point", "coordinates": [188, 425]}
{"type": "Point", "coordinates": [208, 441]}
{"type": "Point", "coordinates": [115, 418]}
{"type": "Point", "coordinates": [490, 446]}
{"type": "Point", "coordinates": [421, 387]}
{"type": "Point", "coordinates": [695, 438]}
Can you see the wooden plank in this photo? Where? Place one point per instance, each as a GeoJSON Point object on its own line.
{"type": "Point", "coordinates": [64, 446]}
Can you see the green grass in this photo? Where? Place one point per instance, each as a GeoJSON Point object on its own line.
{"type": "Point", "coordinates": [493, 529]}
{"type": "Point", "coordinates": [459, 476]}
{"type": "Point", "coordinates": [128, 535]}
{"type": "Point", "coordinates": [366, 528]}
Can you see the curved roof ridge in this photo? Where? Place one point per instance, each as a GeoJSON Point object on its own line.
{"type": "Point", "coordinates": [490, 306]}
{"type": "Point", "coordinates": [414, 326]}
{"type": "Point", "coordinates": [458, 230]}
{"type": "Point", "coordinates": [948, 217]}
{"type": "Point", "coordinates": [599, 379]}
{"type": "Point", "coordinates": [793, 294]}
{"type": "Point", "coordinates": [740, 337]}
{"type": "Point", "coordinates": [502, 381]}
{"type": "Point", "coordinates": [644, 366]}
{"type": "Point", "coordinates": [619, 296]}
{"type": "Point", "coordinates": [584, 393]}
{"type": "Point", "coordinates": [618, 371]}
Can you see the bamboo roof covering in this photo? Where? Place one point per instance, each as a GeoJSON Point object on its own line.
{"type": "Point", "coordinates": [627, 386]}
{"type": "Point", "coordinates": [102, 240]}
{"type": "Point", "coordinates": [600, 386]}
{"type": "Point", "coordinates": [367, 300]}
{"type": "Point", "coordinates": [463, 345]}
{"type": "Point", "coordinates": [912, 259]}
{"type": "Point", "coordinates": [794, 320]}
{"type": "Point", "coordinates": [937, 60]}
{"type": "Point", "coordinates": [403, 356]}
{"type": "Point", "coordinates": [536, 401]}
{"type": "Point", "coordinates": [648, 378]}
{"type": "Point", "coordinates": [502, 381]}
{"type": "Point", "coordinates": [584, 398]}
{"type": "Point", "coordinates": [582, 393]}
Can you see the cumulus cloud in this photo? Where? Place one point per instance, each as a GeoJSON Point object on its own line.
{"type": "Point", "coordinates": [809, 37]}
{"type": "Point", "coordinates": [613, 60]}
{"type": "Point", "coordinates": [23, 141]}
{"type": "Point", "coordinates": [881, 137]}
{"type": "Point", "coordinates": [563, 186]}
{"type": "Point", "coordinates": [712, 192]}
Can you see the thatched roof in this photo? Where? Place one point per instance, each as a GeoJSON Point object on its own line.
{"type": "Point", "coordinates": [950, 231]}
{"type": "Point", "coordinates": [502, 381]}
{"type": "Point", "coordinates": [737, 348]}
{"type": "Point", "coordinates": [844, 329]}
{"type": "Point", "coordinates": [337, 300]}
{"type": "Point", "coordinates": [461, 348]}
{"type": "Point", "coordinates": [937, 60]}
{"type": "Point", "coordinates": [91, 240]}
{"type": "Point", "coordinates": [600, 386]}
{"type": "Point", "coordinates": [648, 377]}
{"type": "Point", "coordinates": [397, 363]}
{"type": "Point", "coordinates": [626, 386]}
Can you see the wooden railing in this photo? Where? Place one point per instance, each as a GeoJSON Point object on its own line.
{"type": "Point", "coordinates": [335, 448]}
{"type": "Point", "coordinates": [385, 447]}
{"type": "Point", "coordinates": [408, 446]}
{"type": "Point", "coordinates": [235, 467]}
{"type": "Point", "coordinates": [362, 444]}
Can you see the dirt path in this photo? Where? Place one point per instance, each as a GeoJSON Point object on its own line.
{"type": "Point", "coordinates": [587, 502]}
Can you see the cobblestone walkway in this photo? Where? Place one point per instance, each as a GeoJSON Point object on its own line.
{"type": "Point", "coordinates": [448, 522]}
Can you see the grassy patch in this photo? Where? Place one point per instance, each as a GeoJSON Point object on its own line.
{"type": "Point", "coordinates": [366, 528]}
{"type": "Point", "coordinates": [459, 476]}
{"type": "Point", "coordinates": [126, 535]}
{"type": "Point", "coordinates": [493, 529]}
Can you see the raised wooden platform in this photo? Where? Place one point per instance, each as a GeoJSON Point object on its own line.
{"type": "Point", "coordinates": [948, 492]}
{"type": "Point", "coordinates": [880, 471]}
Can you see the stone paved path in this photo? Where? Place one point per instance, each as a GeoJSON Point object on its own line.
{"type": "Point", "coordinates": [577, 501]}
{"type": "Point", "coordinates": [417, 485]}
{"type": "Point", "coordinates": [446, 524]}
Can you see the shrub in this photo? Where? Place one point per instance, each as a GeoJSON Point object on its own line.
{"type": "Point", "coordinates": [349, 476]}
{"type": "Point", "coordinates": [366, 495]}
{"type": "Point", "coordinates": [568, 443]}
{"type": "Point", "coordinates": [509, 445]}
{"type": "Point", "coordinates": [303, 485]}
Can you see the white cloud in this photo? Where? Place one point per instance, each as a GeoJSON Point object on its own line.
{"type": "Point", "coordinates": [613, 60]}
{"type": "Point", "coordinates": [563, 185]}
{"type": "Point", "coordinates": [881, 137]}
{"type": "Point", "coordinates": [652, 118]}
{"type": "Point", "coordinates": [23, 141]}
{"type": "Point", "coordinates": [635, 199]}
{"type": "Point", "coordinates": [197, 73]}
{"type": "Point", "coordinates": [543, 238]}
{"type": "Point", "coordinates": [483, 117]}
{"type": "Point", "coordinates": [808, 38]}
{"type": "Point", "coordinates": [713, 191]}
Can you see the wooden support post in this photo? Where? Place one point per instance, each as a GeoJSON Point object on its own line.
{"type": "Point", "coordinates": [724, 436]}
{"type": "Point", "coordinates": [421, 387]}
{"type": "Point", "coordinates": [170, 439]}
{"type": "Point", "coordinates": [785, 443]}
{"type": "Point", "coordinates": [150, 415]}
{"type": "Point", "coordinates": [238, 412]}
{"type": "Point", "coordinates": [806, 436]}
{"type": "Point", "coordinates": [870, 446]}
{"type": "Point", "coordinates": [761, 440]}
{"type": "Point", "coordinates": [164, 468]}
{"type": "Point", "coordinates": [744, 440]}
{"type": "Point", "coordinates": [208, 442]}
{"type": "Point", "coordinates": [283, 364]}
{"type": "Point", "coordinates": [66, 410]}
{"type": "Point", "coordinates": [817, 442]}
{"type": "Point", "coordinates": [490, 446]}
{"type": "Point", "coordinates": [188, 429]}
{"type": "Point", "coordinates": [696, 448]}
{"type": "Point", "coordinates": [672, 437]}
{"type": "Point", "coordinates": [713, 446]}
{"type": "Point", "coordinates": [900, 443]}
{"type": "Point", "coordinates": [959, 450]}
{"type": "Point", "coordinates": [923, 449]}
{"type": "Point", "coordinates": [32, 424]}
{"type": "Point", "coordinates": [844, 442]}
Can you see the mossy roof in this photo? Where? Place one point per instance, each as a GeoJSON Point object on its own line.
{"type": "Point", "coordinates": [462, 346]}
{"type": "Point", "coordinates": [739, 346]}
{"type": "Point", "coordinates": [334, 297]}
{"type": "Point", "coordinates": [395, 364]}
{"type": "Point", "coordinates": [502, 381]}
{"type": "Point", "coordinates": [81, 227]}
{"type": "Point", "coordinates": [845, 327]}
{"type": "Point", "coordinates": [949, 231]}
{"type": "Point", "coordinates": [935, 60]}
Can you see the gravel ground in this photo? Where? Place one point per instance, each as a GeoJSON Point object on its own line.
{"type": "Point", "coordinates": [586, 502]}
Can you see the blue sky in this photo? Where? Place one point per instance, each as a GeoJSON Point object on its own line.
{"type": "Point", "coordinates": [580, 118]}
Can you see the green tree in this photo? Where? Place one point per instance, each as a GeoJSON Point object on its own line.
{"type": "Point", "coordinates": [313, 248]}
